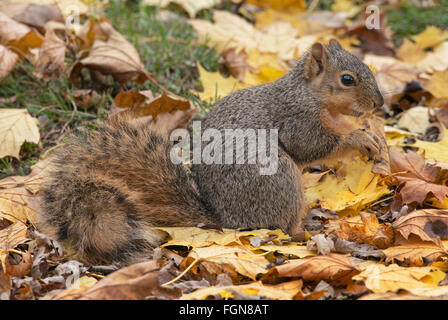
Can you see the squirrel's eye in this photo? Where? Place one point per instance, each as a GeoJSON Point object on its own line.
{"type": "Point", "coordinates": [348, 80]}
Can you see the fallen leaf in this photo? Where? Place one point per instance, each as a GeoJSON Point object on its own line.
{"type": "Point", "coordinates": [11, 237]}
{"type": "Point", "coordinates": [415, 120]}
{"type": "Point", "coordinates": [255, 290]}
{"type": "Point", "coordinates": [65, 6]}
{"type": "Point", "coordinates": [435, 150]}
{"type": "Point", "coordinates": [370, 232]}
{"type": "Point", "coordinates": [437, 84]}
{"type": "Point", "coordinates": [8, 61]}
{"type": "Point", "coordinates": [239, 258]}
{"type": "Point", "coordinates": [413, 253]}
{"type": "Point", "coordinates": [22, 268]}
{"type": "Point", "coordinates": [334, 269]}
{"type": "Point", "coordinates": [18, 37]}
{"type": "Point", "coordinates": [198, 237]}
{"type": "Point", "coordinates": [412, 164]}
{"type": "Point", "coordinates": [130, 283]}
{"type": "Point", "coordinates": [112, 56]}
{"type": "Point", "coordinates": [33, 15]}
{"type": "Point", "coordinates": [352, 189]}
{"type": "Point", "coordinates": [376, 41]}
{"type": "Point", "coordinates": [49, 60]}
{"type": "Point", "coordinates": [428, 224]}
{"type": "Point", "coordinates": [436, 60]}
{"type": "Point", "coordinates": [216, 86]}
{"type": "Point", "coordinates": [381, 279]}
{"type": "Point", "coordinates": [16, 127]}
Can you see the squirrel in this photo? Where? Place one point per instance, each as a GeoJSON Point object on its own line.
{"type": "Point", "coordinates": [109, 188]}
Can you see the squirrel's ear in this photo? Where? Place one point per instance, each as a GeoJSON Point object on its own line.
{"type": "Point", "coordinates": [317, 61]}
{"type": "Point", "coordinates": [318, 51]}
{"type": "Point", "coordinates": [335, 43]}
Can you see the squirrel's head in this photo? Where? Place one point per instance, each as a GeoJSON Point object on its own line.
{"type": "Point", "coordinates": [343, 82]}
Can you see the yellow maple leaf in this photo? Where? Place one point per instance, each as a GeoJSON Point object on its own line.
{"type": "Point", "coordinates": [435, 150]}
{"type": "Point", "coordinates": [438, 83]}
{"type": "Point", "coordinates": [430, 37]}
{"type": "Point", "coordinates": [351, 192]}
{"type": "Point", "coordinates": [198, 237]}
{"type": "Point", "coordinates": [282, 291]}
{"type": "Point", "coordinates": [16, 127]}
{"type": "Point", "coordinates": [216, 86]}
{"type": "Point", "coordinates": [380, 278]}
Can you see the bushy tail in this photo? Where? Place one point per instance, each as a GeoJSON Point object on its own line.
{"type": "Point", "coordinates": [108, 188]}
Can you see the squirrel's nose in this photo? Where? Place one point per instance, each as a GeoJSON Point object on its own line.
{"type": "Point", "coordinates": [379, 101]}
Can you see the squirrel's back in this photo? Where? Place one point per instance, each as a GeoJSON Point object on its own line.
{"type": "Point", "coordinates": [108, 188]}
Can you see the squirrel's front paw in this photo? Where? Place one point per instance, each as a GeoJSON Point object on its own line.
{"type": "Point", "coordinates": [366, 142]}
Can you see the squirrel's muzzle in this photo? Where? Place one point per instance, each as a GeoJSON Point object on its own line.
{"type": "Point", "coordinates": [379, 100]}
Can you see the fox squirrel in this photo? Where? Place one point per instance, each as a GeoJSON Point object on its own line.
{"type": "Point", "coordinates": [109, 188]}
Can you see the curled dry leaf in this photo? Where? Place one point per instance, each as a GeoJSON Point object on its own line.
{"type": "Point", "coordinates": [49, 59]}
{"type": "Point", "coordinates": [416, 177]}
{"type": "Point", "coordinates": [428, 224]}
{"type": "Point", "coordinates": [370, 232]}
{"type": "Point", "coordinates": [414, 253]}
{"type": "Point", "coordinates": [31, 14]}
{"type": "Point", "coordinates": [111, 54]}
{"type": "Point", "coordinates": [334, 269]}
{"type": "Point", "coordinates": [21, 268]}
{"type": "Point", "coordinates": [134, 282]}
{"type": "Point", "coordinates": [18, 36]}
{"type": "Point", "coordinates": [8, 61]}
{"type": "Point", "coordinates": [168, 111]}
{"type": "Point", "coordinates": [11, 237]}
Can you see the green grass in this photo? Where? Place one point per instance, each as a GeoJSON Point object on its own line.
{"type": "Point", "coordinates": [409, 20]}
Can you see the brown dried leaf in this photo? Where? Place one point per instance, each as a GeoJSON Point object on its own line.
{"type": "Point", "coordinates": [112, 56]}
{"type": "Point", "coordinates": [236, 62]}
{"type": "Point", "coordinates": [370, 231]}
{"type": "Point", "coordinates": [376, 41]}
{"type": "Point", "coordinates": [139, 104]}
{"type": "Point", "coordinates": [417, 190]}
{"type": "Point", "coordinates": [49, 60]}
{"type": "Point", "coordinates": [412, 164]}
{"type": "Point", "coordinates": [33, 15]}
{"type": "Point", "coordinates": [413, 252]}
{"type": "Point", "coordinates": [334, 269]}
{"type": "Point", "coordinates": [131, 283]}
{"type": "Point", "coordinates": [22, 268]}
{"type": "Point", "coordinates": [428, 224]}
{"type": "Point", "coordinates": [8, 61]}
{"type": "Point", "coordinates": [11, 237]}
{"type": "Point", "coordinates": [18, 36]}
